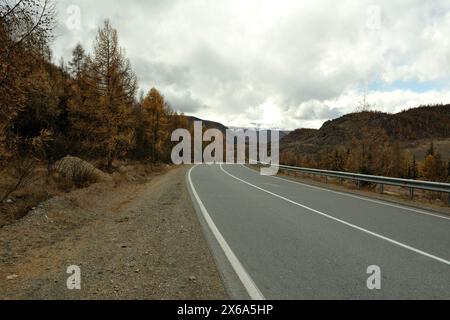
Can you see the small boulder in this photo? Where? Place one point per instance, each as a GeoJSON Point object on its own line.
{"type": "Point", "coordinates": [192, 278]}
{"type": "Point", "coordinates": [76, 168]}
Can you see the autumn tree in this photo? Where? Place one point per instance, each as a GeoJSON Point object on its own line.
{"type": "Point", "coordinates": [356, 157]}
{"type": "Point", "coordinates": [431, 150]}
{"type": "Point", "coordinates": [175, 121]}
{"type": "Point", "coordinates": [332, 160]}
{"type": "Point", "coordinates": [448, 169]}
{"type": "Point", "coordinates": [45, 108]}
{"type": "Point", "coordinates": [156, 123]}
{"type": "Point", "coordinates": [413, 169]}
{"type": "Point", "coordinates": [78, 62]}
{"type": "Point", "coordinates": [103, 116]}
{"type": "Point", "coordinates": [433, 168]}
{"type": "Point", "coordinates": [25, 28]}
{"type": "Point", "coordinates": [289, 158]}
{"type": "Point", "coordinates": [80, 94]}
{"type": "Point", "coordinates": [364, 105]}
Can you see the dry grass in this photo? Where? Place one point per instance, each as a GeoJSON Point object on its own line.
{"type": "Point", "coordinates": [22, 187]}
{"type": "Point", "coordinates": [73, 173]}
{"type": "Point", "coordinates": [67, 175]}
{"type": "Point", "coordinates": [435, 199]}
{"type": "Point", "coordinates": [25, 184]}
{"type": "Point", "coordinates": [420, 148]}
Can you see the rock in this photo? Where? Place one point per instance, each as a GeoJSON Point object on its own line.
{"type": "Point", "coordinates": [12, 277]}
{"type": "Point", "coordinates": [72, 166]}
{"type": "Point", "coordinates": [192, 278]}
{"type": "Point", "coordinates": [9, 201]}
{"type": "Point", "coordinates": [123, 169]}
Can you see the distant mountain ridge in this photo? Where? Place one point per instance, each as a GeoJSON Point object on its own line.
{"type": "Point", "coordinates": [217, 125]}
{"type": "Point", "coordinates": [207, 123]}
{"type": "Point", "coordinates": [407, 128]}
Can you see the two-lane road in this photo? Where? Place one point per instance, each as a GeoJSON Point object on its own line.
{"type": "Point", "coordinates": [288, 240]}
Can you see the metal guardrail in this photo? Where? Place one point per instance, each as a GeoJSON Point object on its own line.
{"type": "Point", "coordinates": [412, 185]}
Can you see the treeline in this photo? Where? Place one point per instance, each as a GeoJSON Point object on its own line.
{"type": "Point", "coordinates": [87, 108]}
{"type": "Point", "coordinates": [376, 156]}
{"type": "Point", "coordinates": [373, 143]}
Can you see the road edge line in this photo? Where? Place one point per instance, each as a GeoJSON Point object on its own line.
{"type": "Point", "coordinates": [248, 283]}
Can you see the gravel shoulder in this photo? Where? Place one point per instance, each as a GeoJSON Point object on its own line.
{"type": "Point", "coordinates": [131, 241]}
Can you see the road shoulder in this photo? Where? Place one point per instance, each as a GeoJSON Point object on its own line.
{"type": "Point", "coordinates": [136, 241]}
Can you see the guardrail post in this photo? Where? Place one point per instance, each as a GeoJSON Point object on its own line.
{"type": "Point", "coordinates": [380, 182]}
{"type": "Point", "coordinates": [411, 193]}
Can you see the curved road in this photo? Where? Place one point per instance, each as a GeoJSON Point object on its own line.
{"type": "Point", "coordinates": [288, 240]}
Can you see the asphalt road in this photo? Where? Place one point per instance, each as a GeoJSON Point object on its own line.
{"type": "Point", "coordinates": [287, 240]}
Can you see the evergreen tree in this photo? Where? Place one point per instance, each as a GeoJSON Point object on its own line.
{"type": "Point", "coordinates": [78, 62]}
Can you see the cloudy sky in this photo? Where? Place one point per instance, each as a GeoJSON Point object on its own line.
{"type": "Point", "coordinates": [277, 64]}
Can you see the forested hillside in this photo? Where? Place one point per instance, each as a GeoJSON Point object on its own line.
{"type": "Point", "coordinates": [411, 144]}
{"type": "Point", "coordinates": [208, 124]}
{"type": "Point", "coordinates": [87, 107]}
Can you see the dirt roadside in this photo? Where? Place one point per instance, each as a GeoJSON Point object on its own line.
{"type": "Point", "coordinates": [133, 241]}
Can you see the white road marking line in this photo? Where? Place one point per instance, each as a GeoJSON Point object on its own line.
{"type": "Point", "coordinates": [243, 275]}
{"type": "Point", "coordinates": [358, 197]}
{"type": "Point", "coordinates": [342, 221]}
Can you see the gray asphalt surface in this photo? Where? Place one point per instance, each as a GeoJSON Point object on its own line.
{"type": "Point", "coordinates": [317, 244]}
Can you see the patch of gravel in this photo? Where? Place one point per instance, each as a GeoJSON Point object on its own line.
{"type": "Point", "coordinates": [132, 241]}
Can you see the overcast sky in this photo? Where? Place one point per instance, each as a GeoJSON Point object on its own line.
{"type": "Point", "coordinates": [279, 63]}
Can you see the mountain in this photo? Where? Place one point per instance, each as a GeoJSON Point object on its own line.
{"type": "Point", "coordinates": [216, 125]}
{"type": "Point", "coordinates": [412, 129]}
{"type": "Point", "coordinates": [284, 134]}
{"type": "Point", "coordinates": [207, 124]}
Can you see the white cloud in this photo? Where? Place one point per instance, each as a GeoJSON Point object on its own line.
{"type": "Point", "coordinates": [284, 63]}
